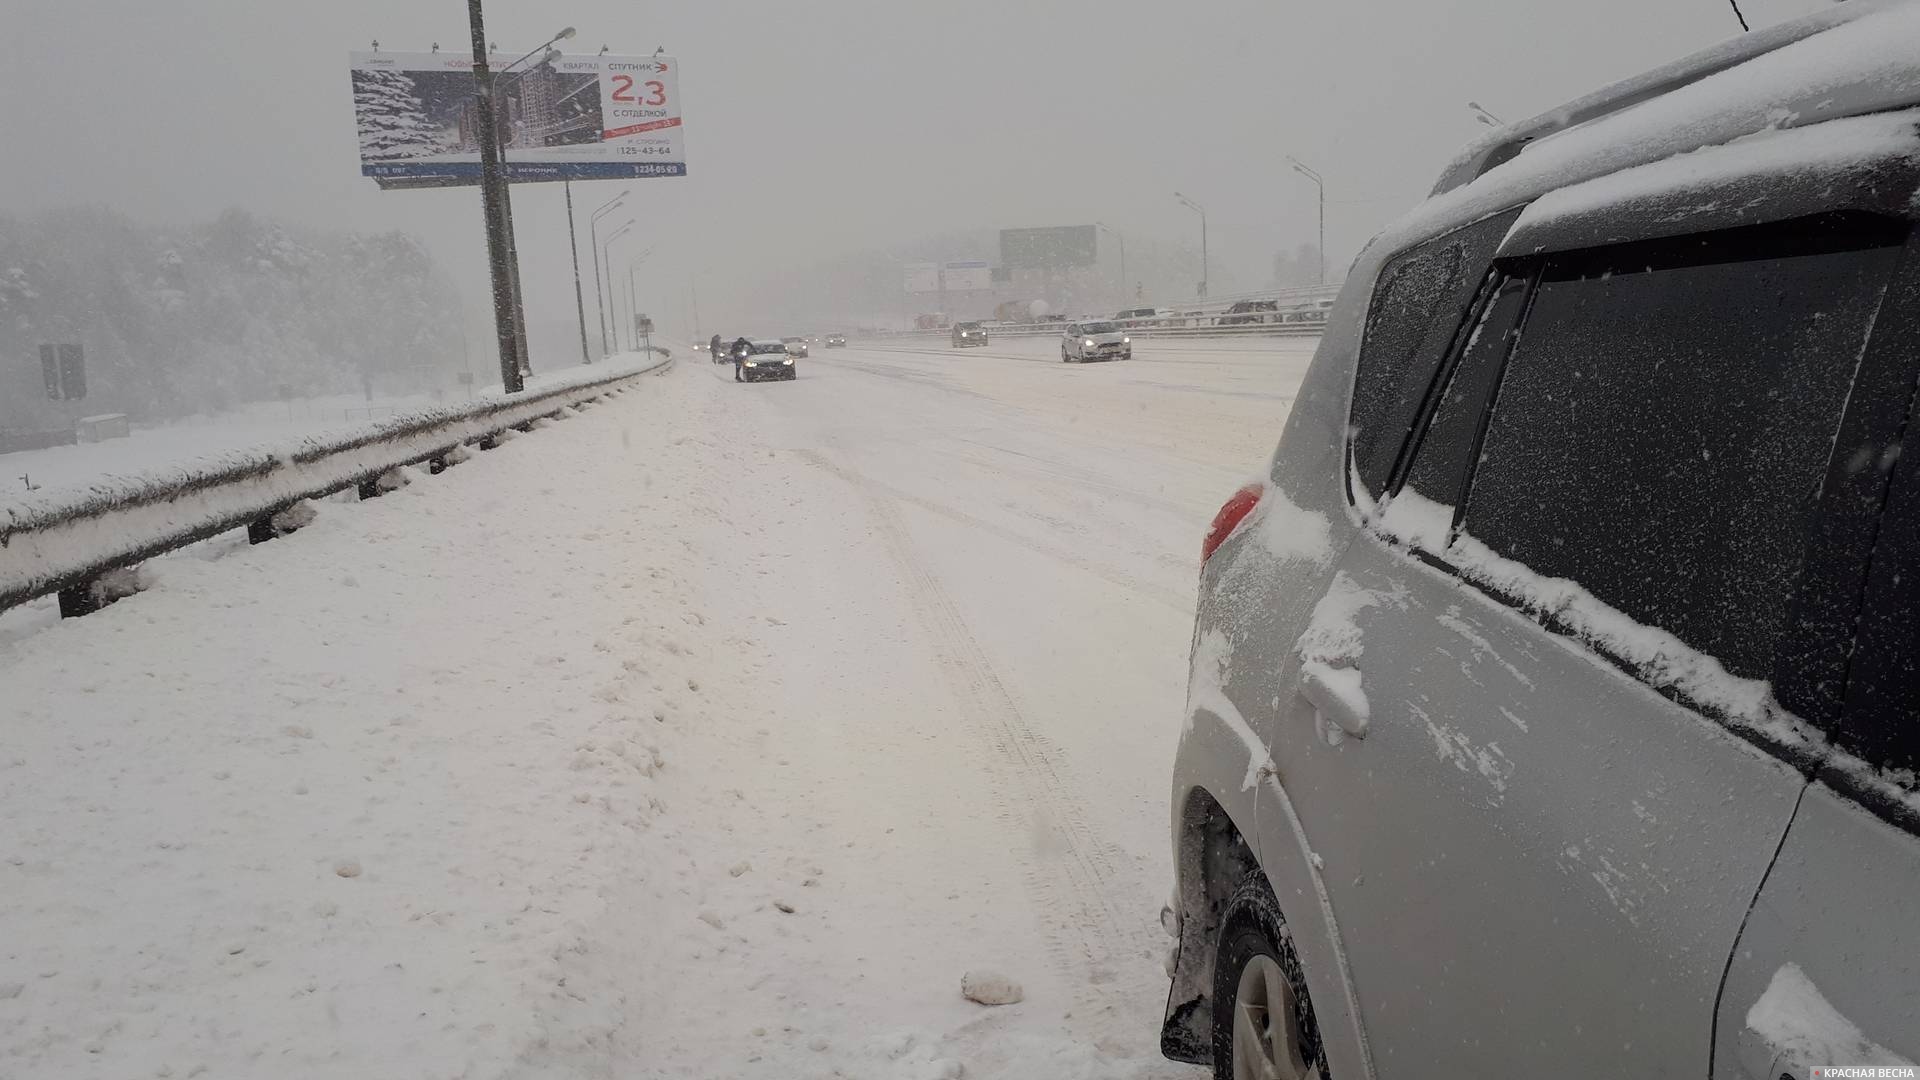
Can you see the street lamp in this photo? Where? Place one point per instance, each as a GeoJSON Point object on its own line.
{"type": "Point", "coordinates": [493, 90]}
{"type": "Point", "coordinates": [493, 174]}
{"type": "Point", "coordinates": [1321, 184]}
{"type": "Point", "coordinates": [593, 235]}
{"type": "Point", "coordinates": [1484, 116]}
{"type": "Point", "coordinates": [548, 44]}
{"type": "Point", "coordinates": [633, 302]}
{"type": "Point", "coordinates": [579, 298]}
{"type": "Point", "coordinates": [1115, 233]}
{"type": "Point", "coordinates": [1195, 207]}
{"type": "Point", "coordinates": [606, 263]}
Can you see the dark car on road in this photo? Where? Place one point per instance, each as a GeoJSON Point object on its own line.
{"type": "Point", "coordinates": [1244, 312]}
{"type": "Point", "coordinates": [968, 334]}
{"type": "Point", "coordinates": [767, 358]}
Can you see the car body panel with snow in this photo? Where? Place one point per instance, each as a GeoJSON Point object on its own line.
{"type": "Point", "coordinates": [1549, 685]}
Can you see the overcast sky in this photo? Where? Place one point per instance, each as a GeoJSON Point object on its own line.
{"type": "Point", "coordinates": [823, 127]}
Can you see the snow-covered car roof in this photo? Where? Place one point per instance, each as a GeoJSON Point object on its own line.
{"type": "Point", "coordinates": [1853, 59]}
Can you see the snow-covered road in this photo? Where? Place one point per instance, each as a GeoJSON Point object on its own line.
{"type": "Point", "coordinates": [714, 732]}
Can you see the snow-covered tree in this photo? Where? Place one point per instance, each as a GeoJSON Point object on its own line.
{"type": "Point", "coordinates": [392, 124]}
{"type": "Point", "coordinates": [183, 320]}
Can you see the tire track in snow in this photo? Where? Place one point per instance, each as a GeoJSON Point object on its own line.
{"type": "Point", "coordinates": [1179, 602]}
{"type": "Point", "coordinates": [1075, 889]}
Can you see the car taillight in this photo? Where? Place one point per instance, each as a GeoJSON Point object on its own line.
{"type": "Point", "coordinates": [1229, 518]}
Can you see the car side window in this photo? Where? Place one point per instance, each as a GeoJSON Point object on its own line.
{"type": "Point", "coordinates": [1418, 305]}
{"type": "Point", "coordinates": [1446, 450]}
{"type": "Point", "coordinates": [1663, 423]}
{"type": "Point", "coordinates": [1881, 720]}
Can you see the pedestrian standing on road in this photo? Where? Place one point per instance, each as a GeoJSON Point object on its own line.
{"type": "Point", "coordinates": [741, 347]}
{"type": "Point", "coordinates": [713, 348]}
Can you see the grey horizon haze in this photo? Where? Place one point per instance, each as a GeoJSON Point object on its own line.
{"type": "Point", "coordinates": [815, 131]}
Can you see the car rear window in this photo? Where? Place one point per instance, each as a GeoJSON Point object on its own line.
{"type": "Point", "coordinates": [1421, 298]}
{"type": "Point", "coordinates": [1663, 424]}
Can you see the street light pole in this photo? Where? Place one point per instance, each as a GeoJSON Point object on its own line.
{"type": "Point", "coordinates": [1120, 236]}
{"type": "Point", "coordinates": [593, 237]}
{"type": "Point", "coordinates": [1205, 268]}
{"type": "Point", "coordinates": [579, 297]}
{"type": "Point", "coordinates": [1321, 185]}
{"type": "Point", "coordinates": [633, 299]}
{"type": "Point", "coordinates": [1484, 116]}
{"type": "Point", "coordinates": [606, 262]}
{"type": "Point", "coordinates": [506, 196]}
{"type": "Point", "coordinates": [493, 201]}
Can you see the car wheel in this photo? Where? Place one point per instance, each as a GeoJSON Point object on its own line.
{"type": "Point", "coordinates": [1063, 354]}
{"type": "Point", "coordinates": [1263, 1024]}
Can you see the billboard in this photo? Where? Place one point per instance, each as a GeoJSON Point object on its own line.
{"type": "Point", "coordinates": [969, 276]}
{"type": "Point", "coordinates": [923, 277]}
{"type": "Point", "coordinates": [1058, 247]}
{"type": "Point", "coordinates": [578, 118]}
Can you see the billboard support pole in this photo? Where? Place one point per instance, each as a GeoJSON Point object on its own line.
{"type": "Point", "coordinates": [579, 298]}
{"type": "Point", "coordinates": [493, 204]}
{"type": "Point", "coordinates": [513, 269]}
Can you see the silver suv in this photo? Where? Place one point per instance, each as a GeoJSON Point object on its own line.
{"type": "Point", "coordinates": [1555, 700]}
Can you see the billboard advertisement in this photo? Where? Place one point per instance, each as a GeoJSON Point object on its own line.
{"type": "Point", "coordinates": [577, 118]}
{"type": "Point", "coordinates": [1059, 247]}
{"type": "Point", "coordinates": [923, 277]}
{"type": "Point", "coordinates": [969, 276]}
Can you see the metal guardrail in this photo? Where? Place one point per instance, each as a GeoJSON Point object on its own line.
{"type": "Point", "coordinates": [1296, 311]}
{"type": "Point", "coordinates": [1055, 329]}
{"type": "Point", "coordinates": [63, 542]}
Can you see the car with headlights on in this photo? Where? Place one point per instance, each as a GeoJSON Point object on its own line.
{"type": "Point", "coordinates": [836, 341]}
{"type": "Point", "coordinates": [1086, 341]}
{"type": "Point", "coordinates": [767, 358]}
{"type": "Point", "coordinates": [796, 346]}
{"type": "Point", "coordinates": [966, 335]}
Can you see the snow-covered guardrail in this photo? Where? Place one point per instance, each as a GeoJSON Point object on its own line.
{"type": "Point", "coordinates": [1292, 312]}
{"type": "Point", "coordinates": [63, 542]}
{"type": "Point", "coordinates": [1171, 328]}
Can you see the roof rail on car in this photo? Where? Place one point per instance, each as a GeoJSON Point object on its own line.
{"type": "Point", "coordinates": [1504, 144]}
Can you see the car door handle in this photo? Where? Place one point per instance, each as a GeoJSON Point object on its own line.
{"type": "Point", "coordinates": [1336, 693]}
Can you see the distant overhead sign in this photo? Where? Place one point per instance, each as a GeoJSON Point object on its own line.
{"type": "Point", "coordinates": [578, 118]}
{"type": "Point", "coordinates": [969, 276]}
{"type": "Point", "coordinates": [923, 277]}
{"type": "Point", "coordinates": [1058, 247]}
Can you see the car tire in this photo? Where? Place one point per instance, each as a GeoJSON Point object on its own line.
{"type": "Point", "coordinates": [1263, 1023]}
